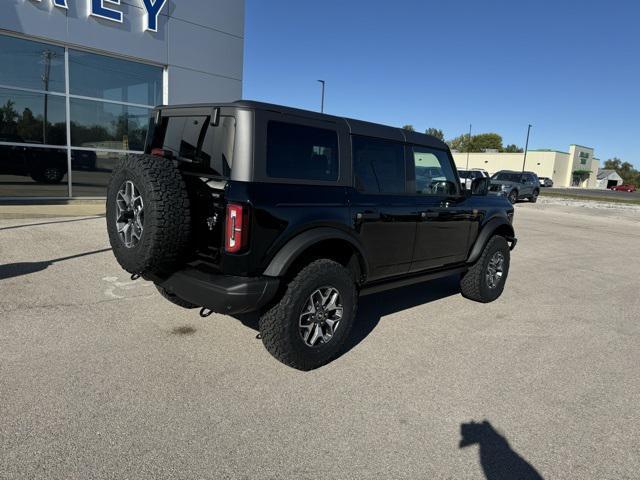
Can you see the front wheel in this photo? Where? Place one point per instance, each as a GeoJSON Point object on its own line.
{"type": "Point", "coordinates": [484, 281]}
{"type": "Point", "coordinates": [513, 197]}
{"type": "Point", "coordinates": [311, 322]}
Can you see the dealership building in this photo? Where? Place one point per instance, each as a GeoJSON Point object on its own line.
{"type": "Point", "coordinates": [78, 79]}
{"type": "Point", "coordinates": [576, 168]}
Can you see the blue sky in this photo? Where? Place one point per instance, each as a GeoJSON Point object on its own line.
{"type": "Point", "coordinates": [571, 68]}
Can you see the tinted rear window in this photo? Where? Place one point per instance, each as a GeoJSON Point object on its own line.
{"type": "Point", "coordinates": [301, 152]}
{"type": "Point", "coordinates": [205, 148]}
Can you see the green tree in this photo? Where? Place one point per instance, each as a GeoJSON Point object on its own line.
{"type": "Point", "coordinates": [435, 132]}
{"type": "Point", "coordinates": [477, 143]}
{"type": "Point", "coordinates": [486, 141]}
{"type": "Point", "coordinates": [9, 117]}
{"type": "Point", "coordinates": [460, 143]}
{"type": "Point", "coordinates": [513, 149]}
{"type": "Point", "coordinates": [408, 128]}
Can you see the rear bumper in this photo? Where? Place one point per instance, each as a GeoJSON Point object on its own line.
{"type": "Point", "coordinates": [221, 293]}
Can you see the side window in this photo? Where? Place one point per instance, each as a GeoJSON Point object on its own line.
{"type": "Point", "coordinates": [301, 152]}
{"type": "Point", "coordinates": [379, 166]}
{"type": "Point", "coordinates": [182, 135]}
{"type": "Point", "coordinates": [434, 174]}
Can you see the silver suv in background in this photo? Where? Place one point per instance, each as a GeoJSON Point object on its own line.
{"type": "Point", "coordinates": [515, 185]}
{"type": "Point", "coordinates": [545, 182]}
{"type": "Point", "coordinates": [468, 176]}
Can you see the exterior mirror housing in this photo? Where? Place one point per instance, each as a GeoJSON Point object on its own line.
{"type": "Point", "coordinates": [480, 186]}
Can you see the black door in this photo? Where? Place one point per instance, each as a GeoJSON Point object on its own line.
{"type": "Point", "coordinates": [442, 233]}
{"type": "Point", "coordinates": [383, 212]}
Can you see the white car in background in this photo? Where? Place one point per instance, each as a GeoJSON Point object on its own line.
{"type": "Point", "coordinates": [468, 176]}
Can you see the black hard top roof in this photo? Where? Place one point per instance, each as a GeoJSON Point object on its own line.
{"type": "Point", "coordinates": [356, 127]}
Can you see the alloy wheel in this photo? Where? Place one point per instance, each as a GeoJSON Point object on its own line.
{"type": "Point", "coordinates": [320, 316]}
{"type": "Point", "coordinates": [495, 270]}
{"type": "Point", "coordinates": [129, 214]}
{"type": "Point", "coordinates": [52, 174]}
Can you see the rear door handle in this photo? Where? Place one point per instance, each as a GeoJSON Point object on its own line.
{"type": "Point", "coordinates": [428, 215]}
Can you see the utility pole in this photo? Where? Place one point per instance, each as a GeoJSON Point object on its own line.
{"type": "Point", "coordinates": [47, 56]}
{"type": "Point", "coordinates": [469, 146]}
{"type": "Point", "coordinates": [322, 101]}
{"type": "Point", "coordinates": [526, 148]}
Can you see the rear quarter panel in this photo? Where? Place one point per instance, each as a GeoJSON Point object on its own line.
{"type": "Point", "coordinates": [279, 212]}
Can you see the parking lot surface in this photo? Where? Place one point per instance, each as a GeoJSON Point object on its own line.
{"type": "Point", "coordinates": [101, 378]}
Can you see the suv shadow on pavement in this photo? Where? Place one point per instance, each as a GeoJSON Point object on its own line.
{"type": "Point", "coordinates": [19, 269]}
{"type": "Point", "coordinates": [373, 307]}
{"type": "Point", "coordinates": [497, 459]}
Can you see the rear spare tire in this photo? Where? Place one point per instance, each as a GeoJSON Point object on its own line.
{"type": "Point", "coordinates": [148, 215]}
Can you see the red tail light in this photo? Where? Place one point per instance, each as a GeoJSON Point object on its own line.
{"type": "Point", "coordinates": [237, 231]}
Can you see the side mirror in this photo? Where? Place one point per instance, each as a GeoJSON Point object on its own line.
{"type": "Point", "coordinates": [480, 187]}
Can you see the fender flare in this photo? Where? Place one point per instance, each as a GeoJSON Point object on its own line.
{"type": "Point", "coordinates": [487, 232]}
{"type": "Point", "coordinates": [288, 254]}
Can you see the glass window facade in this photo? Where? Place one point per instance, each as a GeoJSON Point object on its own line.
{"type": "Point", "coordinates": [108, 101]}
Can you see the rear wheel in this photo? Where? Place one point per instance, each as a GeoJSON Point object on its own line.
{"type": "Point", "coordinates": [484, 281]}
{"type": "Point", "coordinates": [49, 175]}
{"type": "Point", "coordinates": [534, 197]}
{"type": "Point", "coordinates": [311, 322]}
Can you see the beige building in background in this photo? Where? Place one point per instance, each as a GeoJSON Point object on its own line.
{"type": "Point", "coordinates": [576, 168]}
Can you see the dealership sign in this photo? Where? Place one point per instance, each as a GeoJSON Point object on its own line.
{"type": "Point", "coordinates": [107, 9]}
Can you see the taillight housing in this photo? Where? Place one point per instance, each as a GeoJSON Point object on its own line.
{"type": "Point", "coordinates": [236, 236]}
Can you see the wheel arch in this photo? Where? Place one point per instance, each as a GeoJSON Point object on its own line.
{"type": "Point", "coordinates": [317, 243]}
{"type": "Point", "coordinates": [495, 226]}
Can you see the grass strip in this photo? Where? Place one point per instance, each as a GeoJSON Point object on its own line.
{"type": "Point", "coordinates": [587, 197]}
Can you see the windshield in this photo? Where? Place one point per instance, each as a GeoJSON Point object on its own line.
{"type": "Point", "coordinates": [507, 177]}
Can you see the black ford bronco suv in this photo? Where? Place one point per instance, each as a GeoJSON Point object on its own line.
{"type": "Point", "coordinates": [250, 207]}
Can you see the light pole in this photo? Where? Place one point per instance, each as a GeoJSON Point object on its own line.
{"type": "Point", "coordinates": [322, 101]}
{"type": "Point", "coordinates": [469, 146]}
{"type": "Point", "coordinates": [526, 148]}
{"type": "Point", "coordinates": [47, 55]}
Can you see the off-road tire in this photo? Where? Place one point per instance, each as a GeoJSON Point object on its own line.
{"type": "Point", "coordinates": [167, 218]}
{"type": "Point", "coordinates": [513, 197]}
{"type": "Point", "coordinates": [279, 323]}
{"type": "Point", "coordinates": [175, 299]}
{"type": "Point", "coordinates": [473, 283]}
{"type": "Point", "coordinates": [534, 198]}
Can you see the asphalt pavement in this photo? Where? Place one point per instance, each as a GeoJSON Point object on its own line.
{"type": "Point", "coordinates": [101, 378]}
